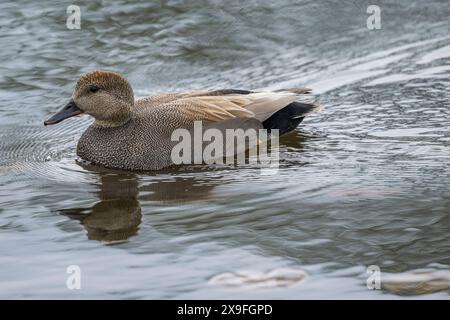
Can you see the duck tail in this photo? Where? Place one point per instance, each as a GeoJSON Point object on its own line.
{"type": "Point", "coordinates": [288, 118]}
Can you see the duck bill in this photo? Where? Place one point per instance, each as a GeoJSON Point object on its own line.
{"type": "Point", "coordinates": [69, 110]}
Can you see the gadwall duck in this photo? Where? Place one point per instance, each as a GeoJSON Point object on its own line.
{"type": "Point", "coordinates": [136, 134]}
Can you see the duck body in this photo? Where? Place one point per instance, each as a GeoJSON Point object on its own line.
{"type": "Point", "coordinates": [136, 134]}
{"type": "Point", "coordinates": [138, 145]}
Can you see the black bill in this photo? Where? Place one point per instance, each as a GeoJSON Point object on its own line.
{"type": "Point", "coordinates": [69, 110]}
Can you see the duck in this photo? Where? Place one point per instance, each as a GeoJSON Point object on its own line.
{"type": "Point", "coordinates": [134, 134]}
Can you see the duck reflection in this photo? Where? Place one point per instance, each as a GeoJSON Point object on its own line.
{"type": "Point", "coordinates": [117, 216]}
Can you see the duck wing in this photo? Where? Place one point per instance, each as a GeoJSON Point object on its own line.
{"type": "Point", "coordinates": [168, 97]}
{"type": "Point", "coordinates": [216, 106]}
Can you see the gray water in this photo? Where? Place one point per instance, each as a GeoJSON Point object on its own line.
{"type": "Point", "coordinates": [364, 182]}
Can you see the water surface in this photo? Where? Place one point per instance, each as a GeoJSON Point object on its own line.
{"type": "Point", "coordinates": [364, 182]}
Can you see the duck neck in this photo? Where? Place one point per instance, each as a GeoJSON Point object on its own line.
{"type": "Point", "coordinates": [112, 124]}
{"type": "Point", "coordinates": [120, 117]}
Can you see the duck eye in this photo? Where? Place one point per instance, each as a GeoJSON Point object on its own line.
{"type": "Point", "coordinates": [93, 89]}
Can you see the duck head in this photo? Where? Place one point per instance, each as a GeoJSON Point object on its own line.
{"type": "Point", "coordinates": [105, 95]}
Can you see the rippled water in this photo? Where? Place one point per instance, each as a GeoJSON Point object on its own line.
{"type": "Point", "coordinates": [364, 182]}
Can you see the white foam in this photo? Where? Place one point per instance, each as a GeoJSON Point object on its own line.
{"type": "Point", "coordinates": [280, 277]}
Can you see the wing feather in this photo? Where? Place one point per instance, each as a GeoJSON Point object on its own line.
{"type": "Point", "coordinates": [214, 106]}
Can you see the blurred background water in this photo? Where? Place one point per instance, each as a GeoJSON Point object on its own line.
{"type": "Point", "coordinates": [364, 182]}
